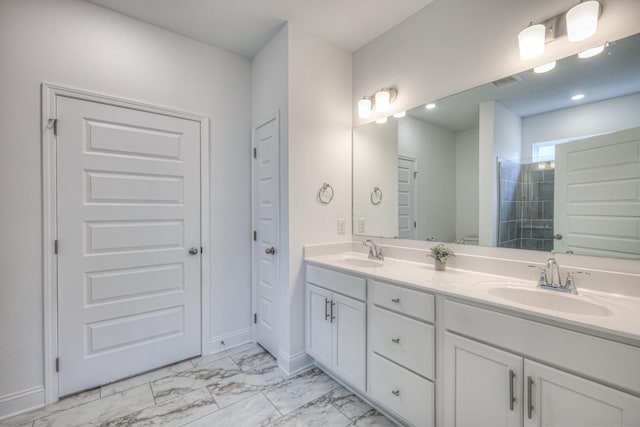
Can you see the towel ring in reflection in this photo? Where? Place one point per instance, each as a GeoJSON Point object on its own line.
{"type": "Point", "coordinates": [376, 195]}
{"type": "Point", "coordinates": [325, 194]}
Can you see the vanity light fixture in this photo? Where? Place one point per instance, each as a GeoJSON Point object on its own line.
{"type": "Point", "coordinates": [545, 67]}
{"type": "Point", "coordinates": [400, 114]}
{"type": "Point", "coordinates": [379, 102]}
{"type": "Point", "coordinates": [591, 52]}
{"type": "Point", "coordinates": [577, 97]}
{"type": "Point", "coordinates": [579, 23]}
{"type": "Point", "coordinates": [365, 105]}
{"type": "Point", "coordinates": [384, 97]}
{"type": "Point", "coordinates": [430, 106]}
{"type": "Point", "coordinates": [381, 120]}
{"type": "Point", "coordinates": [582, 20]}
{"type": "Point", "coordinates": [531, 41]}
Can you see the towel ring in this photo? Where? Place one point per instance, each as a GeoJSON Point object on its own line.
{"type": "Point", "coordinates": [325, 194]}
{"type": "Point", "coordinates": [376, 195]}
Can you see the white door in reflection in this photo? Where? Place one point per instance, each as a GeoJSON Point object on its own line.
{"type": "Point", "coordinates": [597, 195]}
{"type": "Point", "coordinates": [407, 197]}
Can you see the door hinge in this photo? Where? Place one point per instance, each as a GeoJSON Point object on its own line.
{"type": "Point", "coordinates": [255, 235]}
{"type": "Point", "coordinates": [415, 224]}
{"type": "Point", "coordinates": [255, 317]}
{"type": "Point", "coordinates": [55, 246]}
{"type": "Point", "coordinates": [57, 364]}
{"type": "Point", "coordinates": [201, 249]}
{"type": "Point", "coordinates": [255, 153]}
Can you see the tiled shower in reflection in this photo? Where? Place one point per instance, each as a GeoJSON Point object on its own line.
{"type": "Point", "coordinates": [526, 205]}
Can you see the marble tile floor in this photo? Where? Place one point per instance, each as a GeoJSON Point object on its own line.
{"type": "Point", "coordinates": [239, 387]}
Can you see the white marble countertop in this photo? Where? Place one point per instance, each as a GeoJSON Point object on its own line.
{"type": "Point", "coordinates": [619, 316]}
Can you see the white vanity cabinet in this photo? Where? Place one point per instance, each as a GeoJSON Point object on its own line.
{"type": "Point", "coordinates": [336, 323]}
{"type": "Point", "coordinates": [483, 385]}
{"type": "Point", "coordinates": [487, 386]}
{"type": "Point", "coordinates": [402, 351]}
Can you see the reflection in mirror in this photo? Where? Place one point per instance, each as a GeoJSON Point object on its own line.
{"type": "Point", "coordinates": [543, 161]}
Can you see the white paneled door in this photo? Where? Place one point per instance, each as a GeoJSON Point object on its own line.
{"type": "Point", "coordinates": [597, 195]}
{"type": "Point", "coordinates": [407, 197]}
{"type": "Point", "coordinates": [266, 176]}
{"type": "Point", "coordinates": [128, 207]}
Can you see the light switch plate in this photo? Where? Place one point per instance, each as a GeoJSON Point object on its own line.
{"type": "Point", "coordinates": [361, 225]}
{"type": "Point", "coordinates": [340, 225]}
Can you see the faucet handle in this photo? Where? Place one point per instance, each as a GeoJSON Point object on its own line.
{"type": "Point", "coordinates": [570, 284]}
{"type": "Point", "coordinates": [542, 280]}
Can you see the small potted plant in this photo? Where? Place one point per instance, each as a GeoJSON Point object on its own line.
{"type": "Point", "coordinates": [440, 253]}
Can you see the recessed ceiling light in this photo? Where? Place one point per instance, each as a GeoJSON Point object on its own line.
{"type": "Point", "coordinates": [577, 97]}
{"type": "Point", "coordinates": [382, 120]}
{"type": "Point", "coordinates": [545, 67]}
{"type": "Point", "coordinates": [430, 106]}
{"type": "Point", "coordinates": [591, 52]}
{"type": "Point", "coordinates": [400, 114]}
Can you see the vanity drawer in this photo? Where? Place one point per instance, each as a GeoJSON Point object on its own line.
{"type": "Point", "coordinates": [405, 301]}
{"type": "Point", "coordinates": [406, 341]}
{"type": "Point", "coordinates": [346, 284]}
{"type": "Point", "coordinates": [402, 392]}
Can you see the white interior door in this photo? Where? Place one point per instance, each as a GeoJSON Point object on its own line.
{"type": "Point", "coordinates": [406, 197]}
{"type": "Point", "coordinates": [597, 195]}
{"type": "Point", "coordinates": [128, 210]}
{"type": "Point", "coordinates": [267, 146]}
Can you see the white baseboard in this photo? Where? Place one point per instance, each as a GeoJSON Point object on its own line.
{"type": "Point", "coordinates": [21, 401]}
{"type": "Point", "coordinates": [230, 340]}
{"type": "Point", "coordinates": [297, 363]}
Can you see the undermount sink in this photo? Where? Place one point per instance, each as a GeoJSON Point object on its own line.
{"type": "Point", "coordinates": [550, 300]}
{"type": "Point", "coordinates": [359, 261]}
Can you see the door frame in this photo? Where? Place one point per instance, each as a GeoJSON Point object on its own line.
{"type": "Point", "coordinates": [49, 94]}
{"type": "Point", "coordinates": [254, 227]}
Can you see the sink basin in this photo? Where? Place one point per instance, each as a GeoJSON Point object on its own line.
{"type": "Point", "coordinates": [359, 261]}
{"type": "Point", "coordinates": [550, 300]}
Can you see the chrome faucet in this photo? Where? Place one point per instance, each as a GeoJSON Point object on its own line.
{"type": "Point", "coordinates": [544, 283]}
{"type": "Point", "coordinates": [555, 272]}
{"type": "Point", "coordinates": [374, 251]}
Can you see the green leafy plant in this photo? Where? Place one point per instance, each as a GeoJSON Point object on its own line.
{"type": "Point", "coordinates": [441, 252]}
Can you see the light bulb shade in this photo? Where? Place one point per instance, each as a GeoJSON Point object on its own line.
{"type": "Point", "coordinates": [531, 41]}
{"type": "Point", "coordinates": [591, 52]}
{"type": "Point", "coordinates": [582, 20]}
{"type": "Point", "coordinates": [400, 114]}
{"type": "Point", "coordinates": [364, 108]}
{"type": "Point", "coordinates": [383, 99]}
{"type": "Point", "coordinates": [545, 67]}
{"type": "Point", "coordinates": [381, 120]}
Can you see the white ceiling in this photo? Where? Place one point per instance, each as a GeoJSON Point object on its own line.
{"type": "Point", "coordinates": [245, 26]}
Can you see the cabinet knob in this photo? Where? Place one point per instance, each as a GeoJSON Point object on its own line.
{"type": "Point", "coordinates": [396, 393]}
{"type": "Point", "coordinates": [396, 300]}
{"type": "Point", "coordinates": [396, 340]}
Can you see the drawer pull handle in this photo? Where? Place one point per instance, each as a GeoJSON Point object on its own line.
{"type": "Point", "coordinates": [512, 399]}
{"type": "Point", "coordinates": [396, 340]}
{"type": "Point", "coordinates": [396, 393]}
{"type": "Point", "coordinates": [529, 397]}
{"type": "Point", "coordinates": [396, 300]}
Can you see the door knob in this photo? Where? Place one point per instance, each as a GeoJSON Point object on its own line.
{"type": "Point", "coordinates": [270, 251]}
{"type": "Point", "coordinates": [557, 236]}
{"type": "Point", "coordinates": [193, 251]}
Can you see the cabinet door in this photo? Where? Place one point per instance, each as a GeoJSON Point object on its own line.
{"type": "Point", "coordinates": [319, 326]}
{"type": "Point", "coordinates": [564, 400]}
{"type": "Point", "coordinates": [482, 385]}
{"type": "Point", "coordinates": [350, 339]}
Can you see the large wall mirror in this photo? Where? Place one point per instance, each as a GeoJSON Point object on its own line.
{"type": "Point", "coordinates": [540, 161]}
